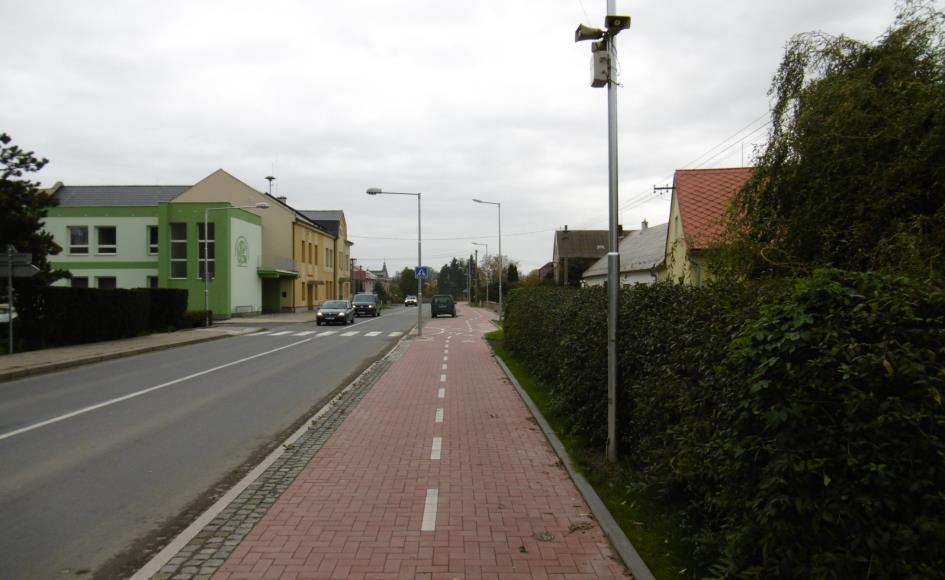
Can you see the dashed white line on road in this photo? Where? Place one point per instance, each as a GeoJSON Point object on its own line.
{"type": "Point", "coordinates": [444, 366]}
{"type": "Point", "coordinates": [439, 416]}
{"type": "Point", "coordinates": [429, 511]}
{"type": "Point", "coordinates": [395, 334]}
{"type": "Point", "coordinates": [305, 333]}
{"type": "Point", "coordinates": [442, 378]}
{"type": "Point", "coordinates": [441, 394]}
{"type": "Point", "coordinates": [446, 358]}
{"type": "Point", "coordinates": [372, 333]}
{"type": "Point", "coordinates": [328, 333]}
{"type": "Point", "coordinates": [437, 448]}
{"type": "Point", "coordinates": [260, 333]}
{"type": "Point", "coordinates": [351, 333]}
{"type": "Point", "coordinates": [283, 333]}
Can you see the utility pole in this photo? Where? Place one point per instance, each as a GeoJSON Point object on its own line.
{"type": "Point", "coordinates": [603, 58]}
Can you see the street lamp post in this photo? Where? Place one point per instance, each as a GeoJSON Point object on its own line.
{"type": "Point", "coordinates": [477, 268]}
{"type": "Point", "coordinates": [379, 191]}
{"type": "Point", "coordinates": [206, 255]}
{"type": "Point", "coordinates": [603, 59]}
{"type": "Point", "coordinates": [498, 205]}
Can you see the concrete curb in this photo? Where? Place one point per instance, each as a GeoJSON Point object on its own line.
{"type": "Point", "coordinates": [44, 368]}
{"type": "Point", "coordinates": [631, 558]}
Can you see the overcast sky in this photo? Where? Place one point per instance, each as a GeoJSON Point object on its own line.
{"type": "Point", "coordinates": [482, 98]}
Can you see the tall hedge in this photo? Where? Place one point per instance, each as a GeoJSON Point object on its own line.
{"type": "Point", "coordinates": [59, 316]}
{"type": "Point", "coordinates": [798, 429]}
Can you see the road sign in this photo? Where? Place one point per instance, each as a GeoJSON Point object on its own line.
{"type": "Point", "coordinates": [19, 259]}
{"type": "Point", "coordinates": [422, 272]}
{"type": "Point", "coordinates": [27, 271]}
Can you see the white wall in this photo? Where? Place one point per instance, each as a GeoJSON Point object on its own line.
{"type": "Point", "coordinates": [245, 284]}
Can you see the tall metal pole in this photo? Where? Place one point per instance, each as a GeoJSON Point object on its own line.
{"type": "Point", "coordinates": [500, 260]}
{"type": "Point", "coordinates": [206, 257]}
{"type": "Point", "coordinates": [419, 278]}
{"type": "Point", "coordinates": [478, 295]}
{"type": "Point", "coordinates": [613, 255]}
{"type": "Point", "coordinates": [10, 251]}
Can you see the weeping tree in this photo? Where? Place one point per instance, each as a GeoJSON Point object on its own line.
{"type": "Point", "coordinates": [853, 175]}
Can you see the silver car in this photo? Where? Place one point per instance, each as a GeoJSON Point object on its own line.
{"type": "Point", "coordinates": [335, 312]}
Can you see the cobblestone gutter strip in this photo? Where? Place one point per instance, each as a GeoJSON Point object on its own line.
{"type": "Point", "coordinates": [211, 546]}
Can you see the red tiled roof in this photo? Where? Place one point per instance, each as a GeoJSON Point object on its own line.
{"type": "Point", "coordinates": [703, 196]}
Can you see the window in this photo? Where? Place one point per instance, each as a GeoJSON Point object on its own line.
{"type": "Point", "coordinates": [152, 240]}
{"type": "Point", "coordinates": [106, 282]}
{"type": "Point", "coordinates": [211, 250]}
{"type": "Point", "coordinates": [79, 282]}
{"type": "Point", "coordinates": [328, 257]}
{"type": "Point", "coordinates": [311, 253]}
{"type": "Point", "coordinates": [315, 255]}
{"type": "Point", "coordinates": [152, 281]}
{"type": "Point", "coordinates": [107, 239]}
{"type": "Point", "coordinates": [78, 239]}
{"type": "Point", "coordinates": [178, 250]}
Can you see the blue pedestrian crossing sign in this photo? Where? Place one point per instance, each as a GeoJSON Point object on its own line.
{"type": "Point", "coordinates": [422, 272]}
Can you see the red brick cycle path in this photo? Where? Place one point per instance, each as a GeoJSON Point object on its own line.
{"type": "Point", "coordinates": [498, 503]}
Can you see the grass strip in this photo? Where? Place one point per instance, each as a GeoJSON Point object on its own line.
{"type": "Point", "coordinates": [652, 529]}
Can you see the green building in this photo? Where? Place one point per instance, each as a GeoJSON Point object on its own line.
{"type": "Point", "coordinates": [138, 236]}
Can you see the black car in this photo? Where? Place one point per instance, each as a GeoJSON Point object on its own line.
{"type": "Point", "coordinates": [442, 304]}
{"type": "Point", "coordinates": [366, 304]}
{"type": "Point", "coordinates": [335, 312]}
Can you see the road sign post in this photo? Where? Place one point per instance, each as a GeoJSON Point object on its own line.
{"type": "Point", "coordinates": [19, 265]}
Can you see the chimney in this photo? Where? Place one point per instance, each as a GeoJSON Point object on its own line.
{"type": "Point", "coordinates": [283, 199]}
{"type": "Point", "coordinates": [565, 227]}
{"type": "Point", "coordinates": [643, 226]}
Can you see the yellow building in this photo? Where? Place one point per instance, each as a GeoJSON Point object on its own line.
{"type": "Point", "coordinates": [700, 200]}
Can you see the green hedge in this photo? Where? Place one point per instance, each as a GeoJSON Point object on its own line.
{"type": "Point", "coordinates": [59, 316]}
{"type": "Point", "coordinates": [798, 429]}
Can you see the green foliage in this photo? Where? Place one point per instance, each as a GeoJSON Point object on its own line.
{"type": "Point", "coordinates": [798, 429]}
{"type": "Point", "coordinates": [853, 175]}
{"type": "Point", "coordinates": [452, 278]}
{"type": "Point", "coordinates": [22, 209]}
{"type": "Point", "coordinates": [64, 316]}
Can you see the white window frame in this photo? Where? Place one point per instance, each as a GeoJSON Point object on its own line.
{"type": "Point", "coordinates": [153, 247]}
{"type": "Point", "coordinates": [78, 249]}
{"type": "Point", "coordinates": [105, 249]}
{"type": "Point", "coordinates": [182, 242]}
{"type": "Point", "coordinates": [98, 281]}
{"type": "Point", "coordinates": [211, 250]}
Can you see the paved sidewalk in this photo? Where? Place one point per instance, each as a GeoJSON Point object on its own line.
{"type": "Point", "coordinates": [439, 472]}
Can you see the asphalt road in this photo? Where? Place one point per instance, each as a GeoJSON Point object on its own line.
{"type": "Point", "coordinates": [89, 463]}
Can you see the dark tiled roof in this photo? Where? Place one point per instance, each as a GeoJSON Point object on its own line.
{"type": "Point", "coordinates": [703, 196]}
{"type": "Point", "coordinates": [581, 243]}
{"type": "Point", "coordinates": [639, 250]}
{"type": "Point", "coordinates": [120, 195]}
{"type": "Point", "coordinates": [328, 219]}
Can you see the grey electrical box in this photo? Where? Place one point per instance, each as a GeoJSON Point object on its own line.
{"type": "Point", "coordinates": [600, 68]}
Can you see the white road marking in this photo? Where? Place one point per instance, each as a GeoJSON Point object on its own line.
{"type": "Point", "coordinates": [395, 334]}
{"type": "Point", "coordinates": [442, 378]}
{"type": "Point", "coordinates": [260, 333]}
{"type": "Point", "coordinates": [429, 511]}
{"type": "Point", "coordinates": [439, 416]}
{"type": "Point", "coordinates": [305, 333]}
{"type": "Point", "coordinates": [445, 358]}
{"type": "Point", "coordinates": [110, 402]}
{"type": "Point", "coordinates": [372, 333]}
{"type": "Point", "coordinates": [350, 333]}
{"type": "Point", "coordinates": [328, 333]}
{"type": "Point", "coordinates": [444, 366]}
{"type": "Point", "coordinates": [437, 448]}
{"type": "Point", "coordinates": [283, 333]}
{"type": "Point", "coordinates": [441, 394]}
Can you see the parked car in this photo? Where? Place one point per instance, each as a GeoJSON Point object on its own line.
{"type": "Point", "coordinates": [410, 300]}
{"type": "Point", "coordinates": [5, 313]}
{"type": "Point", "coordinates": [366, 304]}
{"type": "Point", "coordinates": [335, 312]}
{"type": "Point", "coordinates": [442, 304]}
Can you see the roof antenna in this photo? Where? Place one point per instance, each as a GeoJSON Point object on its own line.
{"type": "Point", "coordinates": [270, 179]}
